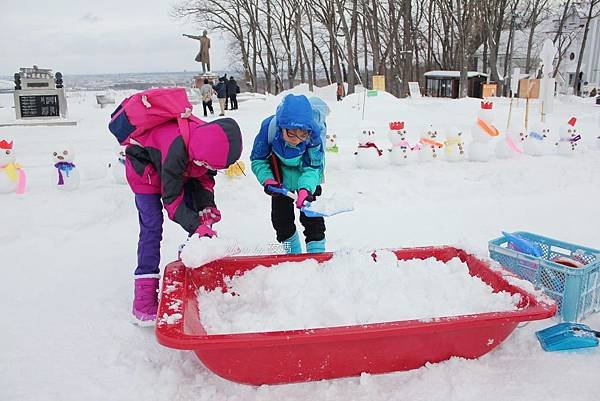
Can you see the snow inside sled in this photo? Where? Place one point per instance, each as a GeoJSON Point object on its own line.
{"type": "Point", "coordinates": [326, 353]}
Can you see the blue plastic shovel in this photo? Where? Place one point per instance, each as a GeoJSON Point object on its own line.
{"type": "Point", "coordinates": [565, 336]}
{"type": "Point", "coordinates": [306, 208]}
{"type": "Point", "coordinates": [523, 245]}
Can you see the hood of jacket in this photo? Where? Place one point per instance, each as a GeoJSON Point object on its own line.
{"type": "Point", "coordinates": [320, 113]}
{"type": "Point", "coordinates": [217, 144]}
{"type": "Point", "coordinates": [295, 112]}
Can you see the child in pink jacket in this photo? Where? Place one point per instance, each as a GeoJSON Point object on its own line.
{"type": "Point", "coordinates": [167, 172]}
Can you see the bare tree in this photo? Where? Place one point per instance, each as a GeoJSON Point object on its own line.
{"type": "Point", "coordinates": [349, 32]}
{"type": "Point", "coordinates": [464, 17]}
{"type": "Point", "coordinates": [537, 8]}
{"type": "Point", "coordinates": [592, 12]}
{"type": "Point", "coordinates": [493, 14]}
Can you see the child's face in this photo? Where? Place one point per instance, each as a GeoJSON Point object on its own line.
{"type": "Point", "coordinates": [294, 136]}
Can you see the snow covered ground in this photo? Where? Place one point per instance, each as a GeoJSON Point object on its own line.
{"type": "Point", "coordinates": [68, 257]}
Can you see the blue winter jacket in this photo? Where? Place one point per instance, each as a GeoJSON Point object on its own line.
{"type": "Point", "coordinates": [301, 165]}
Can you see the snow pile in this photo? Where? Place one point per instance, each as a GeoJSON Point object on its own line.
{"type": "Point", "coordinates": [349, 289]}
{"type": "Point", "coordinates": [201, 250]}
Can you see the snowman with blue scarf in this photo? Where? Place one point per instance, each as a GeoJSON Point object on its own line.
{"type": "Point", "coordinates": [67, 174]}
{"type": "Point", "coordinates": [538, 138]}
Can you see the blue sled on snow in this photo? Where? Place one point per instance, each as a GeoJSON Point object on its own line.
{"type": "Point", "coordinates": [565, 336]}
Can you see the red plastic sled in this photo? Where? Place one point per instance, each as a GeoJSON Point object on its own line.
{"type": "Point", "coordinates": [327, 353]}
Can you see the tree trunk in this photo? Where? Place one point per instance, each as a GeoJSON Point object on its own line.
{"type": "Point", "coordinates": [577, 81]}
{"type": "Point", "coordinates": [349, 44]}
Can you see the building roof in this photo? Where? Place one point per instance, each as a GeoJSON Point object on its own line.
{"type": "Point", "coordinates": [453, 74]}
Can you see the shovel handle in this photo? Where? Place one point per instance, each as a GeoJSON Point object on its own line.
{"type": "Point", "coordinates": [283, 191]}
{"type": "Point", "coordinates": [594, 332]}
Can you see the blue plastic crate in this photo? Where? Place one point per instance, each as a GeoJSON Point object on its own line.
{"type": "Point", "coordinates": [576, 290]}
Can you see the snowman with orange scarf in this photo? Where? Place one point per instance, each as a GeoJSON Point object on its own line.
{"type": "Point", "coordinates": [483, 131]}
{"type": "Point", "coordinates": [430, 145]}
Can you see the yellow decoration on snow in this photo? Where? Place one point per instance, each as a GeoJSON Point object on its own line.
{"type": "Point", "coordinates": [237, 169]}
{"type": "Point", "coordinates": [11, 170]}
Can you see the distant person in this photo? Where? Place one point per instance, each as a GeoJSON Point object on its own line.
{"type": "Point", "coordinates": [221, 89]}
{"type": "Point", "coordinates": [232, 90]}
{"type": "Point", "coordinates": [340, 92]}
{"type": "Point", "coordinates": [206, 91]}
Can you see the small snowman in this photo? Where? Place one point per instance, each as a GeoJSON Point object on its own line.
{"type": "Point", "coordinates": [483, 131]}
{"type": "Point", "coordinates": [430, 146]}
{"type": "Point", "coordinates": [598, 137]}
{"type": "Point", "coordinates": [118, 167]}
{"type": "Point", "coordinates": [67, 173]}
{"type": "Point", "coordinates": [368, 155]}
{"type": "Point", "coordinates": [12, 176]}
{"type": "Point", "coordinates": [454, 147]}
{"type": "Point", "coordinates": [401, 151]}
{"type": "Point", "coordinates": [537, 140]}
{"type": "Point", "coordinates": [511, 144]}
{"type": "Point", "coordinates": [568, 138]}
{"type": "Point", "coordinates": [331, 143]}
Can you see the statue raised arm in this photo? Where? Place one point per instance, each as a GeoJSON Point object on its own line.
{"type": "Point", "coordinates": [203, 55]}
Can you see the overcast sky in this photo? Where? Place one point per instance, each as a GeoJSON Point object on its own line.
{"type": "Point", "coordinates": [79, 37]}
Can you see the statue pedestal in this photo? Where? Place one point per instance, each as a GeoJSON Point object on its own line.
{"type": "Point", "coordinates": [199, 79]}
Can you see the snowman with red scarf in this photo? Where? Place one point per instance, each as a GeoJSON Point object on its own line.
{"type": "Point", "coordinates": [67, 173]}
{"type": "Point", "coordinates": [368, 154]}
{"type": "Point", "coordinates": [12, 176]}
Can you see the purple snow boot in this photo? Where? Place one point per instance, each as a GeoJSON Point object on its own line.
{"type": "Point", "coordinates": [145, 301]}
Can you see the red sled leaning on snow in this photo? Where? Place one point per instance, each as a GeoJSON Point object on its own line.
{"type": "Point", "coordinates": [326, 353]}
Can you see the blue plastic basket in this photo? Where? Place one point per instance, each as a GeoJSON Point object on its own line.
{"type": "Point", "coordinates": [576, 290]}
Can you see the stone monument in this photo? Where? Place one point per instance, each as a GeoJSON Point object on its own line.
{"type": "Point", "coordinates": [40, 97]}
{"type": "Point", "coordinates": [203, 55]}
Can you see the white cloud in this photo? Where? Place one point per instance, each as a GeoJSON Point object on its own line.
{"type": "Point", "coordinates": [89, 17]}
{"type": "Point", "coordinates": [90, 37]}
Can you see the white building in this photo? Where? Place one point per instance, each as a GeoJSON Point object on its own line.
{"type": "Point", "coordinates": [569, 44]}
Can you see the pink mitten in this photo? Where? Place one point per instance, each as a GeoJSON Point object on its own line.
{"type": "Point", "coordinates": [209, 216]}
{"type": "Point", "coordinates": [303, 196]}
{"type": "Point", "coordinates": [271, 183]}
{"type": "Point", "coordinates": [205, 231]}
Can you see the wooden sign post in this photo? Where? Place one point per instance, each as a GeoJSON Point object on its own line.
{"type": "Point", "coordinates": [379, 82]}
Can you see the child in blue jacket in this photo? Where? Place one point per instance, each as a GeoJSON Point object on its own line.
{"type": "Point", "coordinates": [288, 152]}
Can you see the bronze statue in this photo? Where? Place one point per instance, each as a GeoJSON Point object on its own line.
{"type": "Point", "coordinates": [203, 56]}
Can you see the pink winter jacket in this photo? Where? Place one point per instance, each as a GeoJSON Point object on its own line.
{"type": "Point", "coordinates": [163, 165]}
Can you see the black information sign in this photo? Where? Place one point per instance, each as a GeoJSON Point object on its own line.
{"type": "Point", "coordinates": [39, 106]}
